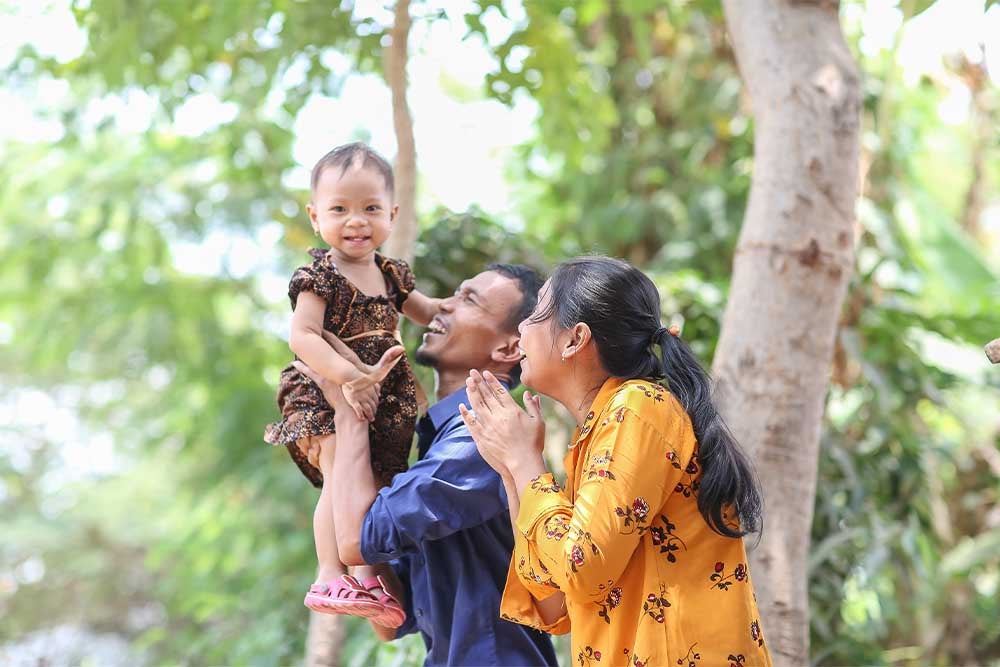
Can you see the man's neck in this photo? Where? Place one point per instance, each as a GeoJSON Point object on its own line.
{"type": "Point", "coordinates": [449, 381]}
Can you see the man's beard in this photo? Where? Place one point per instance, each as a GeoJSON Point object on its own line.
{"type": "Point", "coordinates": [424, 358]}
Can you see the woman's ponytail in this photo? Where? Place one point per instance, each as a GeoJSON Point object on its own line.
{"type": "Point", "coordinates": [621, 305]}
{"type": "Point", "coordinates": [727, 482]}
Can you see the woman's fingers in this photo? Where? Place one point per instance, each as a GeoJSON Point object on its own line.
{"type": "Point", "coordinates": [496, 390]}
{"type": "Point", "coordinates": [532, 405]}
{"type": "Point", "coordinates": [470, 421]}
{"type": "Point", "coordinates": [476, 395]}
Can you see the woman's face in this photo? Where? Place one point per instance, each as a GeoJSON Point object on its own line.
{"type": "Point", "coordinates": [542, 363]}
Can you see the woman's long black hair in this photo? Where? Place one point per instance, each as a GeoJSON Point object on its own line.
{"type": "Point", "coordinates": [621, 305]}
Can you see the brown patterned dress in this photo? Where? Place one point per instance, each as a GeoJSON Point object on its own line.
{"type": "Point", "coordinates": [349, 312]}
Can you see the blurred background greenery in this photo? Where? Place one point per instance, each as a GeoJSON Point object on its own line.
{"type": "Point", "coordinates": [152, 189]}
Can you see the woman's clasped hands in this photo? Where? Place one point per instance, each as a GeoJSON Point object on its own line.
{"type": "Point", "coordinates": [506, 435]}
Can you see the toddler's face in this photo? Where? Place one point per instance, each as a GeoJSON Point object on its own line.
{"type": "Point", "coordinates": [352, 210]}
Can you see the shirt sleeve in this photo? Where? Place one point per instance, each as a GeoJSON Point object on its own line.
{"type": "Point", "coordinates": [401, 567]}
{"type": "Point", "coordinates": [629, 469]}
{"type": "Point", "coordinates": [451, 489]}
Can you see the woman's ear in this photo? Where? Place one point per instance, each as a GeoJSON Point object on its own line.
{"type": "Point", "coordinates": [578, 339]}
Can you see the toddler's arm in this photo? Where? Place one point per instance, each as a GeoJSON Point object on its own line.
{"type": "Point", "coordinates": [306, 341]}
{"type": "Point", "coordinates": [420, 308]}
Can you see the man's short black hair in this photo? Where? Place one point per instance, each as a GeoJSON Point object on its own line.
{"type": "Point", "coordinates": [529, 282]}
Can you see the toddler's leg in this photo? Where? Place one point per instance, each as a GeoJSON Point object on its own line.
{"type": "Point", "coordinates": [330, 567]}
{"type": "Point", "coordinates": [383, 584]}
{"type": "Point", "coordinates": [333, 592]}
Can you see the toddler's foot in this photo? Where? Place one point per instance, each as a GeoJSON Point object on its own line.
{"type": "Point", "coordinates": [343, 596]}
{"type": "Point", "coordinates": [391, 614]}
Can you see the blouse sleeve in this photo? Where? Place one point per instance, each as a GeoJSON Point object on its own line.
{"type": "Point", "coordinates": [525, 584]}
{"type": "Point", "coordinates": [405, 281]}
{"type": "Point", "coordinates": [312, 278]}
{"type": "Point", "coordinates": [630, 468]}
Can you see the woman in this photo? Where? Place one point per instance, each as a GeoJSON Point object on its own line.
{"type": "Point", "coordinates": [641, 553]}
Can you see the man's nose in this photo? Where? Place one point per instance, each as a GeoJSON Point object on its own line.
{"type": "Point", "coordinates": [447, 304]}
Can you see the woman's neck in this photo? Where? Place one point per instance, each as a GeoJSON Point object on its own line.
{"type": "Point", "coordinates": [578, 392]}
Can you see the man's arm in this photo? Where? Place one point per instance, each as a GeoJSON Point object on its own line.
{"type": "Point", "coordinates": [450, 490]}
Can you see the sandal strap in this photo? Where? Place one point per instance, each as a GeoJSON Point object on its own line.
{"type": "Point", "coordinates": [378, 582]}
{"type": "Point", "coordinates": [350, 589]}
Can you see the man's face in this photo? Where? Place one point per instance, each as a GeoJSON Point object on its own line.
{"type": "Point", "coordinates": [470, 324]}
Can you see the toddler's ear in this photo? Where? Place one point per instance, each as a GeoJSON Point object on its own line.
{"type": "Point", "coordinates": [393, 212]}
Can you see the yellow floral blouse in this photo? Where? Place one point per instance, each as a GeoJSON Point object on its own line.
{"type": "Point", "coordinates": [647, 582]}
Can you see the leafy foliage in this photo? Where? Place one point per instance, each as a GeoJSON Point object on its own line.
{"type": "Point", "coordinates": [192, 539]}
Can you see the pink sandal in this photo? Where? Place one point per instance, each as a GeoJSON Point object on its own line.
{"type": "Point", "coordinates": [391, 614]}
{"type": "Point", "coordinates": [343, 596]}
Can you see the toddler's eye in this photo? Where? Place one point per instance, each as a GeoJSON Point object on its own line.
{"type": "Point", "coordinates": [338, 209]}
{"type": "Point", "coordinates": [373, 207]}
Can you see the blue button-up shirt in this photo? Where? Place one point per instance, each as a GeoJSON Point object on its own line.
{"type": "Point", "coordinates": [445, 527]}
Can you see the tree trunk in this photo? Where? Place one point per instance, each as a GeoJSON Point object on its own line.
{"type": "Point", "coordinates": [790, 276]}
{"type": "Point", "coordinates": [982, 122]}
{"type": "Point", "coordinates": [403, 240]}
{"type": "Point", "coordinates": [325, 640]}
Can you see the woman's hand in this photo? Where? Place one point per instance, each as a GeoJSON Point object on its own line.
{"type": "Point", "coordinates": [507, 436]}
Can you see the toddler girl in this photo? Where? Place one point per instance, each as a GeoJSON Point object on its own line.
{"type": "Point", "coordinates": [356, 294]}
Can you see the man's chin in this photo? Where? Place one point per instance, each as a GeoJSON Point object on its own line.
{"type": "Point", "coordinates": [424, 357]}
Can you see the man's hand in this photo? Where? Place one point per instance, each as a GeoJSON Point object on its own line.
{"type": "Point", "coordinates": [363, 400]}
{"type": "Point", "coordinates": [364, 385]}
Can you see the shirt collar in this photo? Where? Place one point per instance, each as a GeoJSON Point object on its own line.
{"type": "Point", "coordinates": [601, 401]}
{"type": "Point", "coordinates": [447, 407]}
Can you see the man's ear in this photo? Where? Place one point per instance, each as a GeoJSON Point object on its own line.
{"type": "Point", "coordinates": [508, 353]}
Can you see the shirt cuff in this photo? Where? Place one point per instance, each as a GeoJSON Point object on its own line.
{"type": "Point", "coordinates": [518, 606]}
{"type": "Point", "coordinates": [542, 496]}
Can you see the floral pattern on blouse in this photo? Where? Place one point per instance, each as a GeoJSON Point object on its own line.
{"type": "Point", "coordinates": [641, 589]}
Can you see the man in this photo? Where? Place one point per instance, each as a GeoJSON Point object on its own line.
{"type": "Point", "coordinates": [443, 524]}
